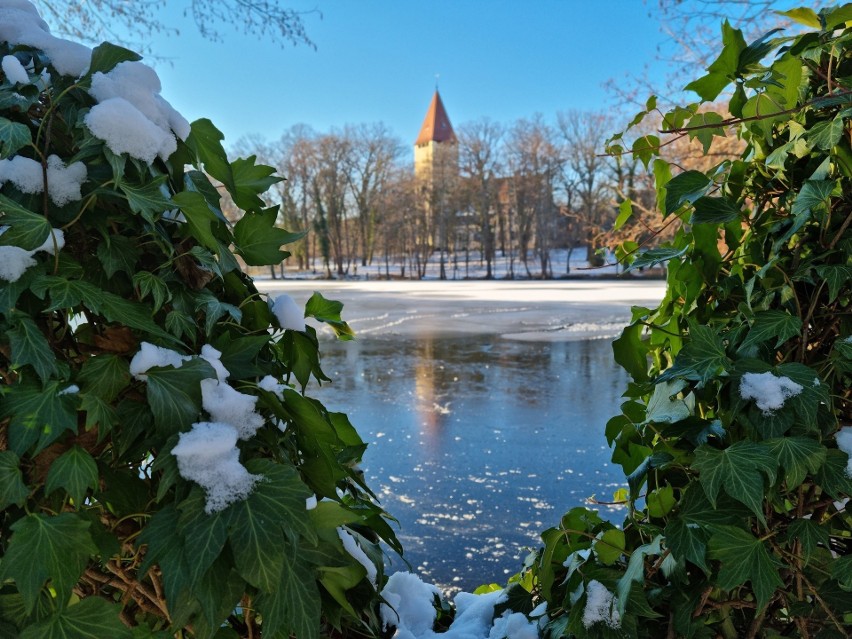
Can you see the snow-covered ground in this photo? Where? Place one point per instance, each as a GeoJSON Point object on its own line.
{"type": "Point", "coordinates": [526, 309]}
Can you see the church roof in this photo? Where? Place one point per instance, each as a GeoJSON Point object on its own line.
{"type": "Point", "coordinates": [436, 125]}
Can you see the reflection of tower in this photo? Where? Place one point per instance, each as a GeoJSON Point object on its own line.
{"type": "Point", "coordinates": [436, 171]}
{"type": "Point", "coordinates": [429, 410]}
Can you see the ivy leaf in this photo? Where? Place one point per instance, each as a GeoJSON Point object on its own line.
{"type": "Point", "coordinates": [13, 137]}
{"type": "Point", "coordinates": [714, 210]}
{"type": "Point", "coordinates": [75, 471]}
{"type": "Point", "coordinates": [30, 346]}
{"type": "Point", "coordinates": [645, 148]}
{"type": "Point", "coordinates": [39, 416]}
{"type": "Point", "coordinates": [105, 376]}
{"type": "Point", "coordinates": [805, 16]}
{"type": "Point", "coordinates": [250, 179]}
{"type": "Point", "coordinates": [199, 217]}
{"type": "Point", "coordinates": [275, 506]}
{"type": "Point", "coordinates": [147, 199]}
{"type": "Point", "coordinates": [772, 324]}
{"type": "Point", "coordinates": [652, 257]}
{"type": "Point", "coordinates": [328, 311]}
{"type": "Point", "coordinates": [745, 558]}
{"type": "Point", "coordinates": [91, 618]}
{"type": "Point", "coordinates": [704, 129]}
{"type": "Point", "coordinates": [609, 546]}
{"type": "Point", "coordinates": [663, 409]}
{"type": "Point", "coordinates": [810, 534]}
{"type": "Point", "coordinates": [206, 533]}
{"type": "Point", "coordinates": [631, 352]}
{"type": "Point", "coordinates": [106, 56]}
{"type": "Point", "coordinates": [294, 606]}
{"type": "Point", "coordinates": [47, 547]}
{"type": "Point", "coordinates": [686, 187]}
{"type": "Point", "coordinates": [150, 284]}
{"type": "Point", "coordinates": [814, 393]}
{"type": "Point", "coordinates": [635, 571]}
{"type": "Point", "coordinates": [688, 542]}
{"type": "Point", "coordinates": [832, 477]}
{"type": "Point", "coordinates": [739, 469]}
{"type": "Point", "coordinates": [174, 394]}
{"type": "Point", "coordinates": [797, 456]}
{"type": "Point", "coordinates": [701, 359]}
{"type": "Point", "coordinates": [841, 570]}
{"type": "Point", "coordinates": [837, 277]}
{"type": "Point", "coordinates": [815, 194]}
{"type": "Point", "coordinates": [205, 140]}
{"type": "Point", "coordinates": [259, 241]}
{"type": "Point", "coordinates": [27, 230]}
{"type": "Point", "coordinates": [825, 135]}
{"type": "Point", "coordinates": [118, 253]}
{"type": "Point", "coordinates": [13, 490]}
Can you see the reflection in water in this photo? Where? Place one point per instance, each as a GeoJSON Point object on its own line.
{"type": "Point", "coordinates": [477, 444]}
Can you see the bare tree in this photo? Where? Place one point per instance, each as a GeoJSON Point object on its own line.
{"type": "Point", "coordinates": [373, 153]}
{"type": "Point", "coordinates": [330, 183]}
{"type": "Point", "coordinates": [586, 177]}
{"type": "Point", "coordinates": [96, 20]}
{"type": "Point", "coordinates": [479, 162]}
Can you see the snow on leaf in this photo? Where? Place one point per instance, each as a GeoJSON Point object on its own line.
{"type": "Point", "coordinates": [27, 230]}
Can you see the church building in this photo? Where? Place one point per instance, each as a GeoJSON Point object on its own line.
{"type": "Point", "coordinates": [436, 150]}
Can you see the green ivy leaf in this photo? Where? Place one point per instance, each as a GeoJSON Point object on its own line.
{"type": "Point", "coordinates": [662, 409]}
{"type": "Point", "coordinates": [660, 501]}
{"type": "Point", "coordinates": [841, 570]}
{"type": "Point", "coordinates": [631, 352]}
{"type": "Point", "coordinates": [199, 217]}
{"type": "Point", "coordinates": [705, 129]}
{"type": "Point", "coordinates": [825, 135]}
{"type": "Point", "coordinates": [814, 194]}
{"type": "Point", "coordinates": [714, 210]}
{"type": "Point", "coordinates": [147, 199]}
{"type": "Point", "coordinates": [251, 179]}
{"type": "Point", "coordinates": [293, 608]}
{"type": "Point", "coordinates": [805, 16]}
{"type": "Point", "coordinates": [75, 471]}
{"type": "Point", "coordinates": [772, 325]}
{"type": "Point", "coordinates": [645, 148]}
{"type": "Point", "coordinates": [205, 140]}
{"type": "Point", "coordinates": [745, 558]}
{"type": "Point", "coordinates": [814, 393]}
{"type": "Point", "coordinates": [92, 618]}
{"type": "Point", "coordinates": [205, 533]}
{"type": "Point", "coordinates": [328, 311]}
{"type": "Point", "coordinates": [701, 359]}
{"type": "Point", "coordinates": [118, 254]}
{"type": "Point", "coordinates": [688, 542]}
{"type": "Point", "coordinates": [837, 277]}
{"type": "Point", "coordinates": [797, 456]}
{"type": "Point", "coordinates": [740, 469]}
{"type": "Point", "coordinates": [259, 241]}
{"type": "Point", "coordinates": [174, 394]}
{"type": "Point", "coordinates": [39, 416]}
{"type": "Point", "coordinates": [686, 187]}
{"type": "Point", "coordinates": [54, 547]}
{"type": "Point", "coordinates": [106, 56]}
{"type": "Point", "coordinates": [13, 137]}
{"type": "Point", "coordinates": [150, 284]}
{"type": "Point", "coordinates": [27, 230]}
{"type": "Point", "coordinates": [652, 257]}
{"type": "Point", "coordinates": [810, 534]}
{"type": "Point", "coordinates": [30, 346]}
{"type": "Point", "coordinates": [276, 506]}
{"type": "Point", "coordinates": [13, 490]}
{"type": "Point", "coordinates": [635, 571]}
{"type": "Point", "coordinates": [609, 546]}
{"type": "Point", "coordinates": [105, 376]}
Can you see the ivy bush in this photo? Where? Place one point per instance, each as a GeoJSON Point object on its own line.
{"type": "Point", "coordinates": [738, 522]}
{"type": "Point", "coordinates": [128, 331]}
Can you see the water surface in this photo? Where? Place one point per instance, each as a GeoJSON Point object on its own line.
{"type": "Point", "coordinates": [477, 443]}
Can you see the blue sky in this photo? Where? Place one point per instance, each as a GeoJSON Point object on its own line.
{"type": "Point", "coordinates": [376, 60]}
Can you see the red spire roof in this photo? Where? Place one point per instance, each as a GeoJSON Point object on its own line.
{"type": "Point", "coordinates": [436, 125]}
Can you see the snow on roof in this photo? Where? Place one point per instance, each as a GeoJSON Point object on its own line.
{"type": "Point", "coordinates": [768, 391]}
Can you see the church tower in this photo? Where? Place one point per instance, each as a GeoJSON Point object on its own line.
{"type": "Point", "coordinates": [436, 150]}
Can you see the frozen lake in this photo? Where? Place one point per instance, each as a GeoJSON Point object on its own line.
{"type": "Point", "coordinates": [484, 409]}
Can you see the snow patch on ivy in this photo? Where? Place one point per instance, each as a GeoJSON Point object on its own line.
{"type": "Point", "coordinates": [150, 356]}
{"type": "Point", "coordinates": [844, 443]}
{"type": "Point", "coordinates": [600, 606]}
{"type": "Point", "coordinates": [14, 70]}
{"type": "Point", "coordinates": [226, 404]}
{"type": "Point", "coordinates": [289, 315]}
{"type": "Point", "coordinates": [768, 391]}
{"type": "Point", "coordinates": [351, 546]}
{"type": "Point", "coordinates": [208, 455]}
{"type": "Point", "coordinates": [213, 357]}
{"type": "Point", "coordinates": [14, 261]}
